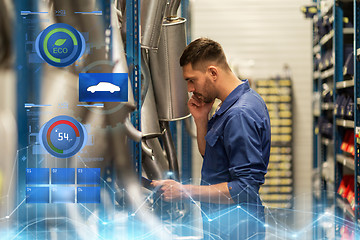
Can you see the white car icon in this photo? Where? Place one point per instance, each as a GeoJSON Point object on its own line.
{"type": "Point", "coordinates": [103, 87]}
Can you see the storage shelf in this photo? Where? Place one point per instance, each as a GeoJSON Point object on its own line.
{"type": "Point", "coordinates": [330, 65]}
{"type": "Point", "coordinates": [348, 31]}
{"type": "Point", "coordinates": [345, 84]}
{"type": "Point", "coordinates": [326, 141]}
{"type": "Point", "coordinates": [328, 73]}
{"type": "Point", "coordinates": [327, 106]}
{"type": "Point", "coordinates": [328, 10]}
{"type": "Point", "coordinates": [346, 161]}
{"type": "Point", "coordinates": [316, 75]}
{"type": "Point", "coordinates": [328, 157]}
{"type": "Point", "coordinates": [327, 178]}
{"type": "Point", "coordinates": [280, 112]}
{"type": "Point", "coordinates": [327, 37]}
{"type": "Point", "coordinates": [317, 48]}
{"type": "Point", "coordinates": [345, 123]}
{"type": "Point", "coordinates": [345, 206]}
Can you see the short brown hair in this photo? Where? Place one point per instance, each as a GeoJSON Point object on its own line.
{"type": "Point", "coordinates": [203, 50]}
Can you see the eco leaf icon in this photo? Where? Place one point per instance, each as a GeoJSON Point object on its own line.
{"type": "Point", "coordinates": [60, 42]}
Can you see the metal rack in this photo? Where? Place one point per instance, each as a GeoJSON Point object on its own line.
{"type": "Point", "coordinates": [325, 149]}
{"type": "Point", "coordinates": [134, 59]}
{"type": "Point", "coordinates": [186, 166]}
{"type": "Point", "coordinates": [277, 191]}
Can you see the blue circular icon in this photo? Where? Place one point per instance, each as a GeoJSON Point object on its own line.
{"type": "Point", "coordinates": [63, 136]}
{"type": "Point", "coordinates": [60, 45]}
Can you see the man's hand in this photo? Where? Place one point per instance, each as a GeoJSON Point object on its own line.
{"type": "Point", "coordinates": [175, 191]}
{"type": "Point", "coordinates": [199, 109]}
{"type": "Point", "coordinates": [172, 190]}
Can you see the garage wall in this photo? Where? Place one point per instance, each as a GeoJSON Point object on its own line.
{"type": "Point", "coordinates": [259, 37]}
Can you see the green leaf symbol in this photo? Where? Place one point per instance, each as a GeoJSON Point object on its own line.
{"type": "Point", "coordinates": [60, 42]}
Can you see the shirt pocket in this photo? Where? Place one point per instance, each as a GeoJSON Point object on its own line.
{"type": "Point", "coordinates": [215, 162]}
{"type": "Point", "coordinates": [212, 137]}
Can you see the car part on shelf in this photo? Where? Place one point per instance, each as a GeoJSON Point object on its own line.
{"type": "Point", "coordinates": [348, 69]}
{"type": "Point", "coordinates": [149, 116]}
{"type": "Point", "coordinates": [152, 14]}
{"type": "Point", "coordinates": [170, 150]}
{"type": "Point", "coordinates": [151, 168]}
{"type": "Point", "coordinates": [171, 9]}
{"type": "Point", "coordinates": [169, 86]}
{"type": "Point", "coordinates": [190, 127]}
{"type": "Point", "coordinates": [155, 163]}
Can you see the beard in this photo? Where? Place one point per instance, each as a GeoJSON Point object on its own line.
{"type": "Point", "coordinates": [204, 98]}
{"type": "Point", "coordinates": [209, 92]}
{"type": "Point", "coordinates": [208, 99]}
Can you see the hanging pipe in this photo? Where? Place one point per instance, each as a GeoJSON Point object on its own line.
{"type": "Point", "coordinates": [170, 150]}
{"type": "Point", "coordinates": [171, 9]}
{"type": "Point", "coordinates": [145, 70]}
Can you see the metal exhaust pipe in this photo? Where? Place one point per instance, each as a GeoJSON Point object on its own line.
{"type": "Point", "coordinates": [152, 14]}
{"type": "Point", "coordinates": [169, 86]}
{"type": "Point", "coordinates": [171, 9]}
{"type": "Point", "coordinates": [190, 127]}
{"type": "Point", "coordinates": [149, 116]}
{"type": "Point", "coordinates": [154, 162]}
{"type": "Point", "coordinates": [152, 170]}
{"type": "Point", "coordinates": [170, 151]}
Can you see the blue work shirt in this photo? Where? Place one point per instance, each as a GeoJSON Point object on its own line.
{"type": "Point", "coordinates": [237, 152]}
{"type": "Point", "coordinates": [238, 146]}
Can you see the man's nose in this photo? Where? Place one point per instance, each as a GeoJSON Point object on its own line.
{"type": "Point", "coordinates": [190, 87]}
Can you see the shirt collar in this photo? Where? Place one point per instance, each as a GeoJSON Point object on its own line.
{"type": "Point", "coordinates": [233, 97]}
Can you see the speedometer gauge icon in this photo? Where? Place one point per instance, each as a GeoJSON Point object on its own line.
{"type": "Point", "coordinates": [63, 136]}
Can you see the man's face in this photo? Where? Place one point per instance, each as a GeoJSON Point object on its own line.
{"type": "Point", "coordinates": [199, 83]}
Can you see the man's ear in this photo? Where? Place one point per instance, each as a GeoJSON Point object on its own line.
{"type": "Point", "coordinates": [213, 72]}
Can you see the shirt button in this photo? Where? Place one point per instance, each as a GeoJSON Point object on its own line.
{"type": "Point", "coordinates": [230, 188]}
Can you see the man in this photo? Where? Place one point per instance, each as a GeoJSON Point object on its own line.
{"type": "Point", "coordinates": [235, 145]}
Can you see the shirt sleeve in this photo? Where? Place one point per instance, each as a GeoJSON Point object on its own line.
{"type": "Point", "coordinates": [242, 138]}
